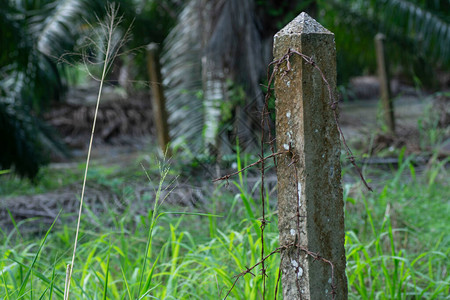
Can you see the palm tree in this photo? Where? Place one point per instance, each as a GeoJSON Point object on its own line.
{"type": "Point", "coordinates": [196, 47]}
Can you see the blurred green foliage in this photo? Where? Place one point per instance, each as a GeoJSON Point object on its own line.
{"type": "Point", "coordinates": [35, 37]}
{"type": "Point", "coordinates": [417, 36]}
{"type": "Point", "coordinates": [35, 34]}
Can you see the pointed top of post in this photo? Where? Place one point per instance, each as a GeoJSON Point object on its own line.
{"type": "Point", "coordinates": [303, 24]}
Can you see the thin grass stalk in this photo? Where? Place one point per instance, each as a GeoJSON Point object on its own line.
{"type": "Point", "coordinates": [52, 282]}
{"type": "Point", "coordinates": [164, 171]}
{"type": "Point", "coordinates": [105, 68]}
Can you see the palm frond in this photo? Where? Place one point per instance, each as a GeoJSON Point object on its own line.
{"type": "Point", "coordinates": [58, 30]}
{"type": "Point", "coordinates": [430, 33]}
{"type": "Point", "coordinates": [21, 149]}
{"type": "Point", "coordinates": [425, 31]}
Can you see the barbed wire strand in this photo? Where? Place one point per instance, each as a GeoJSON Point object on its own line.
{"type": "Point", "coordinates": [265, 122]}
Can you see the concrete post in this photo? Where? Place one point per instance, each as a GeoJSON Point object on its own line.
{"type": "Point", "coordinates": [385, 88]}
{"type": "Point", "coordinates": [158, 100]}
{"type": "Point", "coordinates": [310, 201]}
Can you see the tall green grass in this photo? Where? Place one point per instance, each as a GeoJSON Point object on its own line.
{"type": "Point", "coordinates": [397, 247]}
{"type": "Point", "coordinates": [397, 240]}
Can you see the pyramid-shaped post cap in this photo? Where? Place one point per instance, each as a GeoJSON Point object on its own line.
{"type": "Point", "coordinates": [302, 24]}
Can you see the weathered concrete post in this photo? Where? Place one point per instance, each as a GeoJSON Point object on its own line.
{"type": "Point", "coordinates": [385, 88]}
{"type": "Point", "coordinates": [305, 124]}
{"type": "Point", "coordinates": [158, 99]}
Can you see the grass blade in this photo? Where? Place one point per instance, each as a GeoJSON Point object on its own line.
{"type": "Point", "coordinates": [105, 288]}
{"type": "Point", "coordinates": [14, 223]}
{"type": "Point", "coordinates": [126, 283]}
{"type": "Point", "coordinates": [52, 283]}
{"type": "Point", "coordinates": [27, 275]}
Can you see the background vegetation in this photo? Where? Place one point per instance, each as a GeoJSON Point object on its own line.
{"type": "Point", "coordinates": [36, 34]}
{"type": "Point", "coordinates": [396, 240]}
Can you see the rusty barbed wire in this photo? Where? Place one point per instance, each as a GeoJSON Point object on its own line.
{"type": "Point", "coordinates": [315, 256]}
{"type": "Point", "coordinates": [333, 103]}
{"type": "Point", "coordinates": [249, 270]}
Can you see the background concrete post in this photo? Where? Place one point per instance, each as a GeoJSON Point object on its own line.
{"type": "Point", "coordinates": [309, 182]}
{"type": "Point", "coordinates": [385, 87]}
{"type": "Point", "coordinates": [158, 100]}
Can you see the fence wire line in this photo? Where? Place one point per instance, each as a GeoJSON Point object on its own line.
{"type": "Point", "coordinates": [265, 123]}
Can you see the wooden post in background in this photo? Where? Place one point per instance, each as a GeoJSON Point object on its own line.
{"type": "Point", "coordinates": [158, 99]}
{"type": "Point", "coordinates": [310, 201]}
{"type": "Point", "coordinates": [385, 87]}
